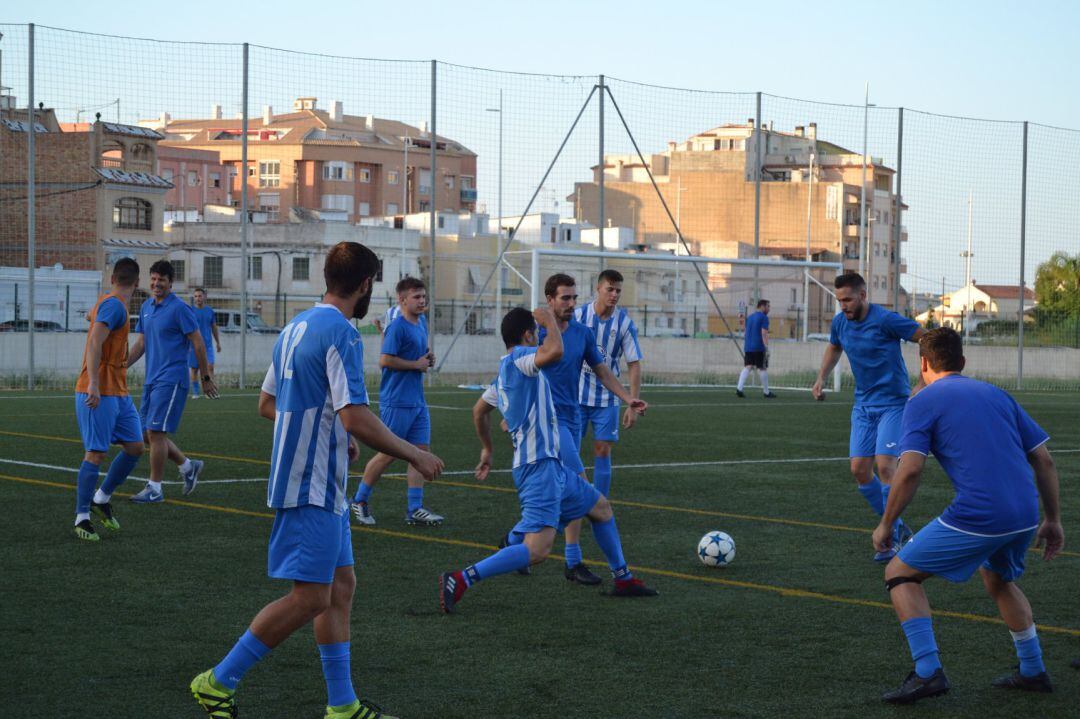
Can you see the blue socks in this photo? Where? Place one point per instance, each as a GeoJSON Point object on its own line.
{"type": "Point", "coordinates": [602, 475]}
{"type": "Point", "coordinates": [85, 485]}
{"type": "Point", "coordinates": [884, 496]}
{"type": "Point", "coordinates": [507, 559]}
{"type": "Point", "coordinates": [607, 536]}
{"type": "Point", "coordinates": [122, 465]}
{"type": "Point", "coordinates": [873, 493]}
{"type": "Point", "coordinates": [1028, 652]}
{"type": "Point", "coordinates": [920, 636]}
{"type": "Point", "coordinates": [416, 498]}
{"type": "Point", "coordinates": [243, 656]}
{"type": "Point", "coordinates": [573, 555]}
{"type": "Point", "coordinates": [363, 492]}
{"type": "Point", "coordinates": [335, 666]}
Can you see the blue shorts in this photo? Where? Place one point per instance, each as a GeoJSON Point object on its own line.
{"type": "Point", "coordinates": [114, 421]}
{"type": "Point", "coordinates": [605, 422]}
{"type": "Point", "coordinates": [578, 499]}
{"type": "Point", "coordinates": [412, 424]}
{"type": "Point", "coordinates": [955, 555]}
{"type": "Point", "coordinates": [569, 449]}
{"type": "Point", "coordinates": [161, 406]}
{"type": "Point", "coordinates": [875, 430]}
{"type": "Point", "coordinates": [308, 543]}
{"type": "Point", "coordinates": [540, 489]}
{"type": "Point", "coordinates": [193, 363]}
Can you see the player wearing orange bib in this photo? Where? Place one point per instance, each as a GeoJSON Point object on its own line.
{"type": "Point", "coordinates": [103, 406]}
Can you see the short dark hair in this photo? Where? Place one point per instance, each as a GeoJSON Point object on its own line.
{"type": "Point", "coordinates": [761, 303]}
{"type": "Point", "coordinates": [611, 276]}
{"type": "Point", "coordinates": [850, 279]}
{"type": "Point", "coordinates": [347, 265]}
{"type": "Point", "coordinates": [410, 283]}
{"type": "Point", "coordinates": [555, 282]}
{"type": "Point", "coordinates": [515, 324]}
{"type": "Point", "coordinates": [943, 349]}
{"type": "Point", "coordinates": [125, 272]}
{"type": "Point", "coordinates": [163, 268]}
{"type": "Point", "coordinates": [198, 289]}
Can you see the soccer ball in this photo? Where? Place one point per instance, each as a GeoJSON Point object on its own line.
{"type": "Point", "coordinates": [716, 549]}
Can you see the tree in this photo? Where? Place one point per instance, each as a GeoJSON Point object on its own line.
{"type": "Point", "coordinates": [1057, 284]}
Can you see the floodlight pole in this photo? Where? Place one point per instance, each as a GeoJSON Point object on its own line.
{"type": "Point", "coordinates": [806, 273]}
{"type": "Point", "coordinates": [1023, 247]}
{"type": "Point", "coordinates": [757, 194]}
{"type": "Point", "coordinates": [862, 189]}
{"type": "Point", "coordinates": [31, 207]}
{"type": "Point", "coordinates": [603, 167]}
{"type": "Point", "coordinates": [244, 226]}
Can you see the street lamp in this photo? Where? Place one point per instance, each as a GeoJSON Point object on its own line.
{"type": "Point", "coordinates": [498, 272]}
{"type": "Point", "coordinates": [863, 247]}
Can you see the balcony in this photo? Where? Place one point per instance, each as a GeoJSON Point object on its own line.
{"type": "Point", "coordinates": [113, 162]}
{"type": "Point", "coordinates": [468, 195]}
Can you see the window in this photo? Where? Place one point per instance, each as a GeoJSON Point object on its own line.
{"type": "Point", "coordinates": [269, 173]}
{"type": "Point", "coordinates": [335, 170]}
{"type": "Point", "coordinates": [365, 174]}
{"type": "Point", "coordinates": [442, 221]}
{"type": "Point", "coordinates": [132, 213]}
{"type": "Point", "coordinates": [393, 177]}
{"type": "Point", "coordinates": [215, 179]}
{"type": "Point", "coordinates": [391, 208]}
{"type": "Point", "coordinates": [192, 178]}
{"type": "Point", "coordinates": [378, 273]}
{"type": "Point", "coordinates": [425, 182]}
{"type": "Point", "coordinates": [794, 296]}
{"type": "Point", "coordinates": [468, 182]}
{"type": "Point", "coordinates": [364, 209]}
{"type": "Point", "coordinates": [424, 206]}
{"type": "Point", "coordinates": [255, 267]}
{"type": "Point", "coordinates": [301, 269]}
{"type": "Point", "coordinates": [338, 202]}
{"type": "Point", "coordinates": [179, 270]}
{"type": "Point", "coordinates": [270, 203]}
{"type": "Point", "coordinates": [213, 272]}
{"type": "Point", "coordinates": [251, 171]}
{"type": "Point", "coordinates": [167, 174]}
{"type": "Point", "coordinates": [449, 180]}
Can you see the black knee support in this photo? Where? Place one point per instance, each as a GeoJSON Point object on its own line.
{"type": "Point", "coordinates": [890, 584]}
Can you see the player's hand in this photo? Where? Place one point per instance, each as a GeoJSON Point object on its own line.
{"type": "Point", "coordinates": [93, 396]}
{"type": "Point", "coordinates": [1050, 538]}
{"type": "Point", "coordinates": [422, 364]}
{"type": "Point", "coordinates": [218, 347]}
{"type": "Point", "coordinates": [817, 391]}
{"type": "Point", "coordinates": [544, 316]}
{"type": "Point", "coordinates": [428, 465]}
{"type": "Point", "coordinates": [209, 388]}
{"type": "Point", "coordinates": [483, 467]}
{"type": "Point", "coordinates": [629, 418]}
{"type": "Point", "coordinates": [504, 426]}
{"type": "Point", "coordinates": [883, 536]}
{"type": "Point", "coordinates": [430, 357]}
{"type": "Point", "coordinates": [354, 450]}
{"type": "Point", "coordinates": [638, 406]}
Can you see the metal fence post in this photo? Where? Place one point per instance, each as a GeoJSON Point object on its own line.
{"type": "Point", "coordinates": [31, 208]}
{"type": "Point", "coordinates": [757, 194]}
{"type": "Point", "coordinates": [434, 184]}
{"type": "Point", "coordinates": [899, 208]}
{"type": "Point", "coordinates": [600, 184]}
{"type": "Point", "coordinates": [1023, 247]}
{"type": "Point", "coordinates": [244, 225]}
{"type": "Point", "coordinates": [67, 308]}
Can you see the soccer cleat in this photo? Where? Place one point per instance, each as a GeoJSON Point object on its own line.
{"type": "Point", "coordinates": [192, 477]}
{"type": "Point", "coordinates": [580, 573]}
{"type": "Point", "coordinates": [357, 710]}
{"type": "Point", "coordinates": [423, 518]}
{"type": "Point", "coordinates": [915, 688]}
{"type": "Point", "coordinates": [633, 588]}
{"type": "Point", "coordinates": [148, 496]}
{"type": "Point", "coordinates": [740, 393]}
{"type": "Point", "coordinates": [451, 590]}
{"type": "Point", "coordinates": [362, 514]}
{"type": "Point", "coordinates": [769, 395]}
{"type": "Point", "coordinates": [104, 511]}
{"type": "Point", "coordinates": [85, 530]}
{"type": "Point", "coordinates": [503, 544]}
{"type": "Point", "coordinates": [1016, 680]}
{"type": "Point", "coordinates": [215, 700]}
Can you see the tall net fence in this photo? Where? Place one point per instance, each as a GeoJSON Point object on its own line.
{"type": "Point", "coordinates": [243, 164]}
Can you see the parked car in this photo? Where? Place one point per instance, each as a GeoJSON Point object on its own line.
{"type": "Point", "coordinates": [229, 321]}
{"type": "Point", "coordinates": [24, 326]}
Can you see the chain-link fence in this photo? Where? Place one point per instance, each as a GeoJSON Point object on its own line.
{"type": "Point", "coordinates": [243, 164]}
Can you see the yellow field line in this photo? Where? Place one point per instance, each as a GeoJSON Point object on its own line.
{"type": "Point", "coordinates": [771, 588]}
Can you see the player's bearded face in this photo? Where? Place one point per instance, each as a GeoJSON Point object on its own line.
{"type": "Point", "coordinates": [361, 308]}
{"type": "Point", "coordinates": [563, 303]}
{"type": "Point", "coordinates": [852, 302]}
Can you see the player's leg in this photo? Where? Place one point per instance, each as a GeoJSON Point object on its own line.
{"type": "Point", "coordinates": [419, 434]}
{"type": "Point", "coordinates": [585, 497]}
{"type": "Point", "coordinates": [396, 421]}
{"type": "Point", "coordinates": [887, 455]}
{"type": "Point", "coordinates": [605, 424]}
{"type": "Point", "coordinates": [95, 427]}
{"type": "Point", "coordinates": [743, 376]}
{"type": "Point", "coordinates": [763, 373]}
{"type": "Point", "coordinates": [999, 575]}
{"type": "Point", "coordinates": [861, 451]}
{"type": "Point", "coordinates": [127, 432]}
{"type": "Point", "coordinates": [193, 367]}
{"type": "Point", "coordinates": [904, 584]}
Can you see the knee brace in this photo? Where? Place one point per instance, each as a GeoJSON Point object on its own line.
{"type": "Point", "coordinates": [890, 584]}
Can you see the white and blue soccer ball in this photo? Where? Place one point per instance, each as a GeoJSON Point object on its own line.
{"type": "Point", "coordinates": [716, 549]}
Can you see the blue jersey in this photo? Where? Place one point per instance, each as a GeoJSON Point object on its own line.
{"type": "Point", "coordinates": [204, 318]}
{"type": "Point", "coordinates": [616, 337]}
{"type": "Point", "coordinates": [403, 388]}
{"type": "Point", "coordinates": [873, 350]}
{"type": "Point", "coordinates": [981, 437]}
{"type": "Point", "coordinates": [579, 347]}
{"type": "Point", "coordinates": [318, 370]}
{"type": "Point", "coordinates": [524, 398]}
{"type": "Point", "coordinates": [165, 327]}
{"type": "Point", "coordinates": [754, 324]}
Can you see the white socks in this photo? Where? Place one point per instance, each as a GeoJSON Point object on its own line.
{"type": "Point", "coordinates": [185, 467]}
{"type": "Point", "coordinates": [1028, 633]}
{"type": "Point", "coordinates": [101, 498]}
{"type": "Point", "coordinates": [156, 486]}
{"type": "Point", "coordinates": [81, 517]}
{"type": "Point", "coordinates": [764, 380]}
{"type": "Point", "coordinates": [742, 378]}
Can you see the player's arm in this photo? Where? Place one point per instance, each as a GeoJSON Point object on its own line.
{"type": "Point", "coordinates": [360, 422]}
{"type": "Point", "coordinates": [481, 414]}
{"type": "Point", "coordinates": [208, 384]}
{"type": "Point", "coordinates": [1050, 534]}
{"type": "Point", "coordinates": [96, 340]}
{"type": "Point", "coordinates": [828, 364]}
{"type": "Point", "coordinates": [633, 372]}
{"type": "Point", "coordinates": [902, 490]}
{"type": "Point", "coordinates": [915, 337]}
{"type": "Point", "coordinates": [551, 351]}
{"type": "Point", "coordinates": [403, 365]}
{"type": "Point", "coordinates": [137, 349]}
{"type": "Point", "coordinates": [611, 382]}
{"type": "Point", "coordinates": [267, 405]}
{"type": "Point", "coordinates": [765, 337]}
{"type": "Point", "coordinates": [214, 330]}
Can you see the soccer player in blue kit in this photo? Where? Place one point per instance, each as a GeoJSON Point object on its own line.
{"type": "Point", "coordinates": [314, 391]}
{"type": "Point", "coordinates": [995, 455]}
{"type": "Point", "coordinates": [404, 359]}
{"type": "Point", "coordinates": [616, 338]}
{"type": "Point", "coordinates": [207, 321]}
{"type": "Point", "coordinates": [551, 493]}
{"type": "Point", "coordinates": [756, 350]}
{"type": "Point", "coordinates": [871, 335]}
{"type": "Point", "coordinates": [564, 376]}
{"type": "Point", "coordinates": [167, 332]}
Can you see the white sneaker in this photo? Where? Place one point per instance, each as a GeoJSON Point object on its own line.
{"type": "Point", "coordinates": [362, 514]}
{"type": "Point", "coordinates": [192, 477]}
{"type": "Point", "coordinates": [423, 518]}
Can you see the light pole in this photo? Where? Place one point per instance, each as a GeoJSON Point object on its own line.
{"type": "Point", "coordinates": [863, 254]}
{"type": "Point", "coordinates": [404, 202]}
{"type": "Point", "coordinates": [498, 270]}
{"type": "Point", "coordinates": [967, 273]}
{"type": "Point", "coordinates": [806, 270]}
{"type": "Point", "coordinates": [679, 236]}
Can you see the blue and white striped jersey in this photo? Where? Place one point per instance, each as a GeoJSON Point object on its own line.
{"type": "Point", "coordinates": [616, 337]}
{"type": "Point", "coordinates": [523, 396]}
{"type": "Point", "coordinates": [318, 369]}
{"type": "Point", "coordinates": [391, 314]}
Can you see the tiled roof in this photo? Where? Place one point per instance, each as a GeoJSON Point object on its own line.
{"type": "Point", "coordinates": [1005, 292]}
{"type": "Point", "coordinates": [141, 179]}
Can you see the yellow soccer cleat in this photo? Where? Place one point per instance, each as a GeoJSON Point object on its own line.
{"type": "Point", "coordinates": [357, 710]}
{"type": "Point", "coordinates": [85, 531]}
{"type": "Point", "coordinates": [216, 700]}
